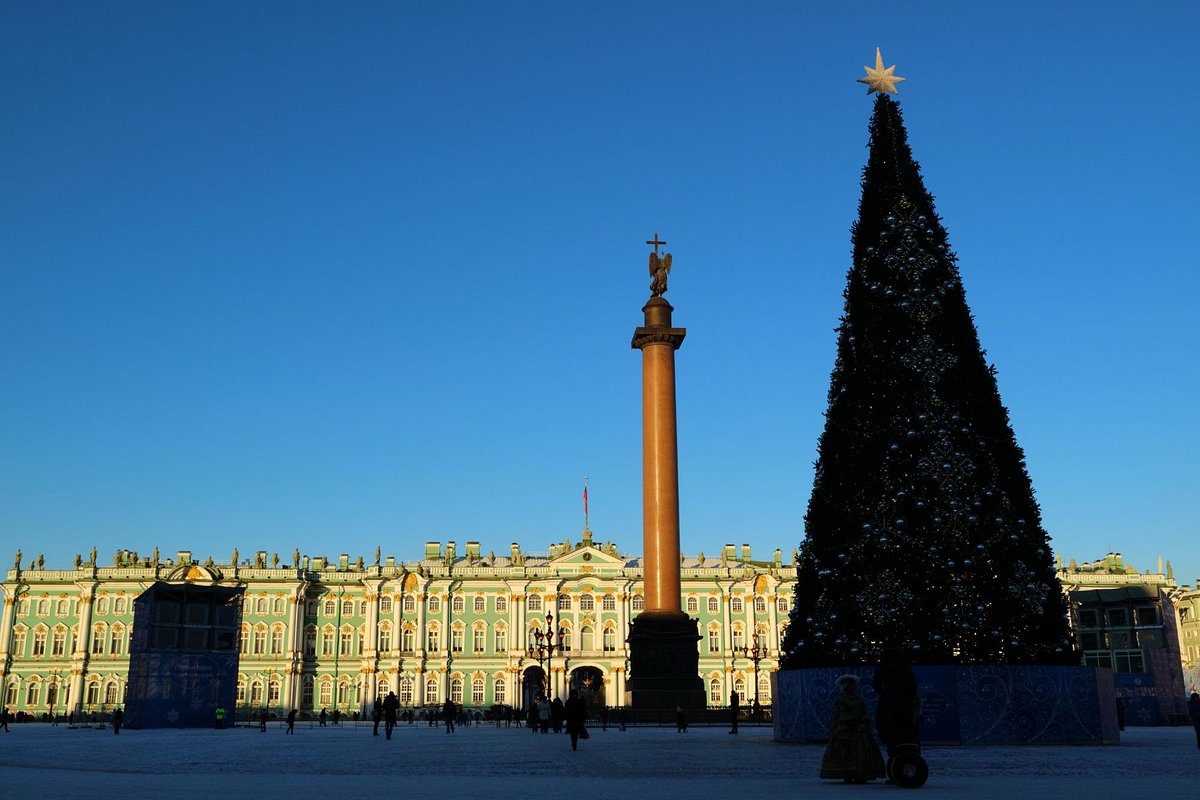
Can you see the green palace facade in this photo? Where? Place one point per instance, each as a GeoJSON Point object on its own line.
{"type": "Point", "coordinates": [337, 633]}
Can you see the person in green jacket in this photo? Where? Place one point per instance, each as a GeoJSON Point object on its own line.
{"type": "Point", "coordinates": [220, 717]}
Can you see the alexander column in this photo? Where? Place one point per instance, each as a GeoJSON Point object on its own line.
{"type": "Point", "coordinates": [663, 655]}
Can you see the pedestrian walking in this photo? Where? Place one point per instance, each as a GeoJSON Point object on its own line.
{"type": "Point", "coordinates": [852, 754]}
{"type": "Point", "coordinates": [390, 706]}
{"type": "Point", "coordinates": [680, 720]}
{"type": "Point", "coordinates": [291, 722]}
{"type": "Point", "coordinates": [621, 717]}
{"type": "Point", "coordinates": [1193, 712]}
{"type": "Point", "coordinates": [321, 717]}
{"type": "Point", "coordinates": [543, 714]}
{"type": "Point", "coordinates": [557, 714]}
{"type": "Point", "coordinates": [449, 711]}
{"type": "Point", "coordinates": [734, 707]}
{"type": "Point", "coordinates": [4, 720]}
{"type": "Point", "coordinates": [220, 713]}
{"type": "Point", "coordinates": [117, 718]}
{"type": "Point", "coordinates": [575, 712]}
{"type": "Point", "coordinates": [262, 721]}
{"type": "Point", "coordinates": [337, 714]}
{"type": "Point", "coordinates": [604, 717]}
{"type": "Point", "coordinates": [377, 715]}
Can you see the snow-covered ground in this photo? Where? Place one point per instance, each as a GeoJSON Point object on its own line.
{"type": "Point", "coordinates": [37, 760]}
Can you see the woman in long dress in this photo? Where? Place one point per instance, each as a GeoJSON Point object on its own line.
{"type": "Point", "coordinates": [852, 754]}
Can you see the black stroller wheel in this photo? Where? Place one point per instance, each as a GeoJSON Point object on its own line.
{"type": "Point", "coordinates": [908, 769]}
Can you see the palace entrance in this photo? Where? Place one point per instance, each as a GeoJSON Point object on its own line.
{"type": "Point", "coordinates": [589, 682]}
{"type": "Point", "coordinates": [533, 683]}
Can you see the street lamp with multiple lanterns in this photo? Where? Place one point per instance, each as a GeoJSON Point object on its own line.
{"type": "Point", "coordinates": [543, 645]}
{"type": "Point", "coordinates": [755, 653]}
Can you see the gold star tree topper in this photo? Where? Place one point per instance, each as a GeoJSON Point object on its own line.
{"type": "Point", "coordinates": [879, 79]}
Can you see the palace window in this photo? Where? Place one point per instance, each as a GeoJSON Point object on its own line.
{"type": "Point", "coordinates": [360, 637]}
{"type": "Point", "coordinates": [406, 691]}
{"type": "Point", "coordinates": [330, 607]}
{"type": "Point", "coordinates": [111, 693]}
{"type": "Point", "coordinates": [456, 690]}
{"type": "Point", "coordinates": [240, 698]}
{"type": "Point", "coordinates": [739, 686]}
{"type": "Point", "coordinates": [33, 693]}
{"type": "Point", "coordinates": [714, 605]}
{"type": "Point", "coordinates": [277, 640]}
{"type": "Point", "coordinates": [23, 610]}
{"type": "Point", "coordinates": [431, 691]}
{"type": "Point", "coordinates": [764, 688]}
{"type": "Point", "coordinates": [587, 603]}
{"type": "Point", "coordinates": [344, 693]}
{"type": "Point", "coordinates": [714, 640]}
{"type": "Point", "coordinates": [457, 604]}
{"type": "Point", "coordinates": [435, 604]}
{"type": "Point", "coordinates": [609, 603]}
{"type": "Point", "coordinates": [714, 692]}
{"type": "Point", "coordinates": [410, 604]}
{"type": "Point", "coordinates": [19, 635]}
{"type": "Point", "coordinates": [260, 640]}
{"type": "Point", "coordinates": [347, 609]}
{"type": "Point", "coordinates": [260, 607]}
{"type": "Point", "coordinates": [273, 692]}
{"type": "Point", "coordinates": [433, 640]}
{"type": "Point", "coordinates": [534, 602]}
{"type": "Point", "coordinates": [362, 608]}
{"type": "Point", "coordinates": [385, 604]}
{"type": "Point", "coordinates": [499, 691]}
{"type": "Point", "coordinates": [610, 640]}
{"type": "Point", "coordinates": [501, 639]}
{"type": "Point", "coordinates": [310, 608]}
{"type": "Point", "coordinates": [102, 606]}
{"type": "Point", "coordinates": [120, 606]}
{"type": "Point", "coordinates": [739, 637]}
{"type": "Point", "coordinates": [477, 692]}
{"type": "Point", "coordinates": [456, 640]}
{"type": "Point", "coordinates": [93, 693]}
{"type": "Point", "coordinates": [760, 604]}
{"type": "Point", "coordinates": [278, 606]}
{"type": "Point", "coordinates": [781, 603]}
{"type": "Point", "coordinates": [501, 604]}
{"type": "Point", "coordinates": [478, 639]}
{"type": "Point", "coordinates": [118, 640]}
{"type": "Point", "coordinates": [306, 691]}
{"type": "Point", "coordinates": [639, 602]}
{"type": "Point", "coordinates": [39, 642]}
{"type": "Point", "coordinates": [310, 641]}
{"type": "Point", "coordinates": [480, 604]}
{"type": "Point", "coordinates": [58, 645]}
{"type": "Point", "coordinates": [43, 608]}
{"type": "Point", "coordinates": [63, 607]}
{"type": "Point", "coordinates": [347, 642]}
{"type": "Point", "coordinates": [326, 693]}
{"type": "Point", "coordinates": [735, 605]}
{"type": "Point", "coordinates": [328, 640]}
{"type": "Point", "coordinates": [564, 602]}
{"type": "Point", "coordinates": [385, 637]}
{"type": "Point", "coordinates": [564, 637]}
{"type": "Point", "coordinates": [587, 638]}
{"type": "Point", "coordinates": [408, 638]}
{"type": "Point", "coordinates": [693, 605]}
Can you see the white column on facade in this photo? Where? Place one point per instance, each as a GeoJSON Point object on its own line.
{"type": "Point", "coordinates": [370, 654]}
{"type": "Point", "coordinates": [294, 644]}
{"type": "Point", "coordinates": [79, 658]}
{"type": "Point", "coordinates": [6, 626]}
{"type": "Point", "coordinates": [773, 608]}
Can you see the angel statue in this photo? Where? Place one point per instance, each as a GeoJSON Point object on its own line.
{"type": "Point", "coordinates": [660, 268]}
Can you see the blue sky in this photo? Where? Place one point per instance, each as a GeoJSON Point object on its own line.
{"type": "Point", "coordinates": [330, 276]}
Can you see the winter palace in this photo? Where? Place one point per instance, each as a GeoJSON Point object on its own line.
{"type": "Point", "coordinates": [320, 633]}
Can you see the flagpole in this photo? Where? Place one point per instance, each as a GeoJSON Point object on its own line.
{"type": "Point", "coordinates": [585, 503]}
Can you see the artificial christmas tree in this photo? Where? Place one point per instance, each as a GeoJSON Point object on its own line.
{"type": "Point", "coordinates": [922, 531]}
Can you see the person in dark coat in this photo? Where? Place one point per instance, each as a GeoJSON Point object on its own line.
{"type": "Point", "coordinates": [734, 707]}
{"type": "Point", "coordinates": [899, 711]}
{"type": "Point", "coordinates": [322, 717]}
{"type": "Point", "coordinates": [118, 718]}
{"type": "Point", "coordinates": [1194, 713]}
{"type": "Point", "coordinates": [852, 754]}
{"type": "Point", "coordinates": [391, 705]}
{"type": "Point", "coordinates": [680, 720]}
{"type": "Point", "coordinates": [557, 713]}
{"type": "Point", "coordinates": [449, 711]}
{"type": "Point", "coordinates": [291, 721]}
{"type": "Point", "coordinates": [376, 715]}
{"type": "Point", "coordinates": [263, 716]}
{"type": "Point", "coordinates": [575, 711]}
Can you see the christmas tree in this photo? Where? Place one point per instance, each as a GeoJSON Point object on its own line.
{"type": "Point", "coordinates": [922, 531]}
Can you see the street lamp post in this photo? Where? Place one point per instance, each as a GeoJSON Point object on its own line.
{"type": "Point", "coordinates": [755, 653]}
{"type": "Point", "coordinates": [542, 648]}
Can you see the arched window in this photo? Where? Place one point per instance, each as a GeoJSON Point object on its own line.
{"type": "Point", "coordinates": [101, 606]}
{"type": "Point", "coordinates": [534, 602]}
{"type": "Point", "coordinates": [383, 688]}
{"type": "Point", "coordinates": [501, 639]}
{"type": "Point", "coordinates": [51, 693]}
{"type": "Point", "coordinates": [33, 693]}
{"type": "Point", "coordinates": [764, 688]}
{"type": "Point", "coordinates": [406, 691]}
{"type": "Point", "coordinates": [326, 692]}
{"type": "Point", "coordinates": [639, 602]}
{"type": "Point", "coordinates": [564, 602]}
{"type": "Point", "coordinates": [610, 640]}
{"type": "Point", "coordinates": [328, 640]}
{"type": "Point", "coordinates": [310, 641]}
{"type": "Point", "coordinates": [781, 603]}
{"type": "Point", "coordinates": [587, 602]}
{"type": "Point", "coordinates": [118, 640]}
{"type": "Point", "coordinates": [431, 691]}
{"type": "Point", "coordinates": [479, 638]}
{"type": "Point", "coordinates": [276, 640]}
{"type": "Point", "coordinates": [609, 603]}
{"type": "Point", "coordinates": [260, 607]}
{"type": "Point", "coordinates": [330, 607]}
{"type": "Point", "coordinates": [587, 638]}
{"type": "Point", "coordinates": [345, 692]}
{"type": "Point", "coordinates": [278, 606]}
{"type": "Point", "coordinates": [256, 692]}
{"type": "Point", "coordinates": [714, 692]}
{"type": "Point", "coordinates": [347, 641]}
{"type": "Point", "coordinates": [435, 604]}
{"type": "Point", "coordinates": [735, 605]}
{"type": "Point", "coordinates": [19, 635]}
{"type": "Point", "coordinates": [111, 694]}
{"type": "Point", "coordinates": [39, 641]}
{"type": "Point", "coordinates": [385, 604]}
{"type": "Point", "coordinates": [477, 692]}
{"type": "Point", "coordinates": [273, 689]}
{"type": "Point", "coordinates": [62, 610]}
{"type": "Point", "coordinates": [58, 644]}
{"type": "Point", "coordinates": [564, 638]}
{"type": "Point", "coordinates": [260, 639]}
{"type": "Point", "coordinates": [457, 604]}
{"type": "Point", "coordinates": [501, 604]}
{"type": "Point", "coordinates": [480, 604]}
{"type": "Point", "coordinates": [385, 637]}
{"type": "Point", "coordinates": [499, 691]}
{"type": "Point", "coordinates": [43, 607]}
{"type": "Point", "coordinates": [760, 604]}
{"type": "Point", "coordinates": [693, 605]}
{"type": "Point", "coordinates": [10, 692]}
{"type": "Point", "coordinates": [714, 639]}
{"type": "Point", "coordinates": [739, 686]}
{"type": "Point", "coordinates": [240, 699]}
{"type": "Point", "coordinates": [347, 611]}
{"type": "Point", "coordinates": [456, 690]}
{"type": "Point", "coordinates": [410, 604]}
{"type": "Point", "coordinates": [408, 640]}
{"type": "Point", "coordinates": [456, 640]}
{"type": "Point", "coordinates": [362, 608]}
{"type": "Point", "coordinates": [433, 639]}
{"type": "Point", "coordinates": [714, 605]}
{"type": "Point", "coordinates": [93, 692]}
{"type": "Point", "coordinates": [306, 691]}
{"type": "Point", "coordinates": [120, 606]}
{"type": "Point", "coordinates": [310, 608]}
{"type": "Point", "coordinates": [739, 637]}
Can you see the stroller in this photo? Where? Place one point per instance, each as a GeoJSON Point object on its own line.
{"type": "Point", "coordinates": [906, 768]}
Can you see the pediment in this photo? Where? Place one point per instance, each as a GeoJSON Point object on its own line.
{"type": "Point", "coordinates": [586, 559]}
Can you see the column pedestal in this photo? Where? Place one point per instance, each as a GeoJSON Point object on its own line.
{"type": "Point", "coordinates": [664, 662]}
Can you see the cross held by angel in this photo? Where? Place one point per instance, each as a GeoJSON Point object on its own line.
{"type": "Point", "coordinates": [660, 268]}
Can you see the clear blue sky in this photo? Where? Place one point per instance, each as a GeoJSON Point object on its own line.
{"type": "Point", "coordinates": [329, 276]}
